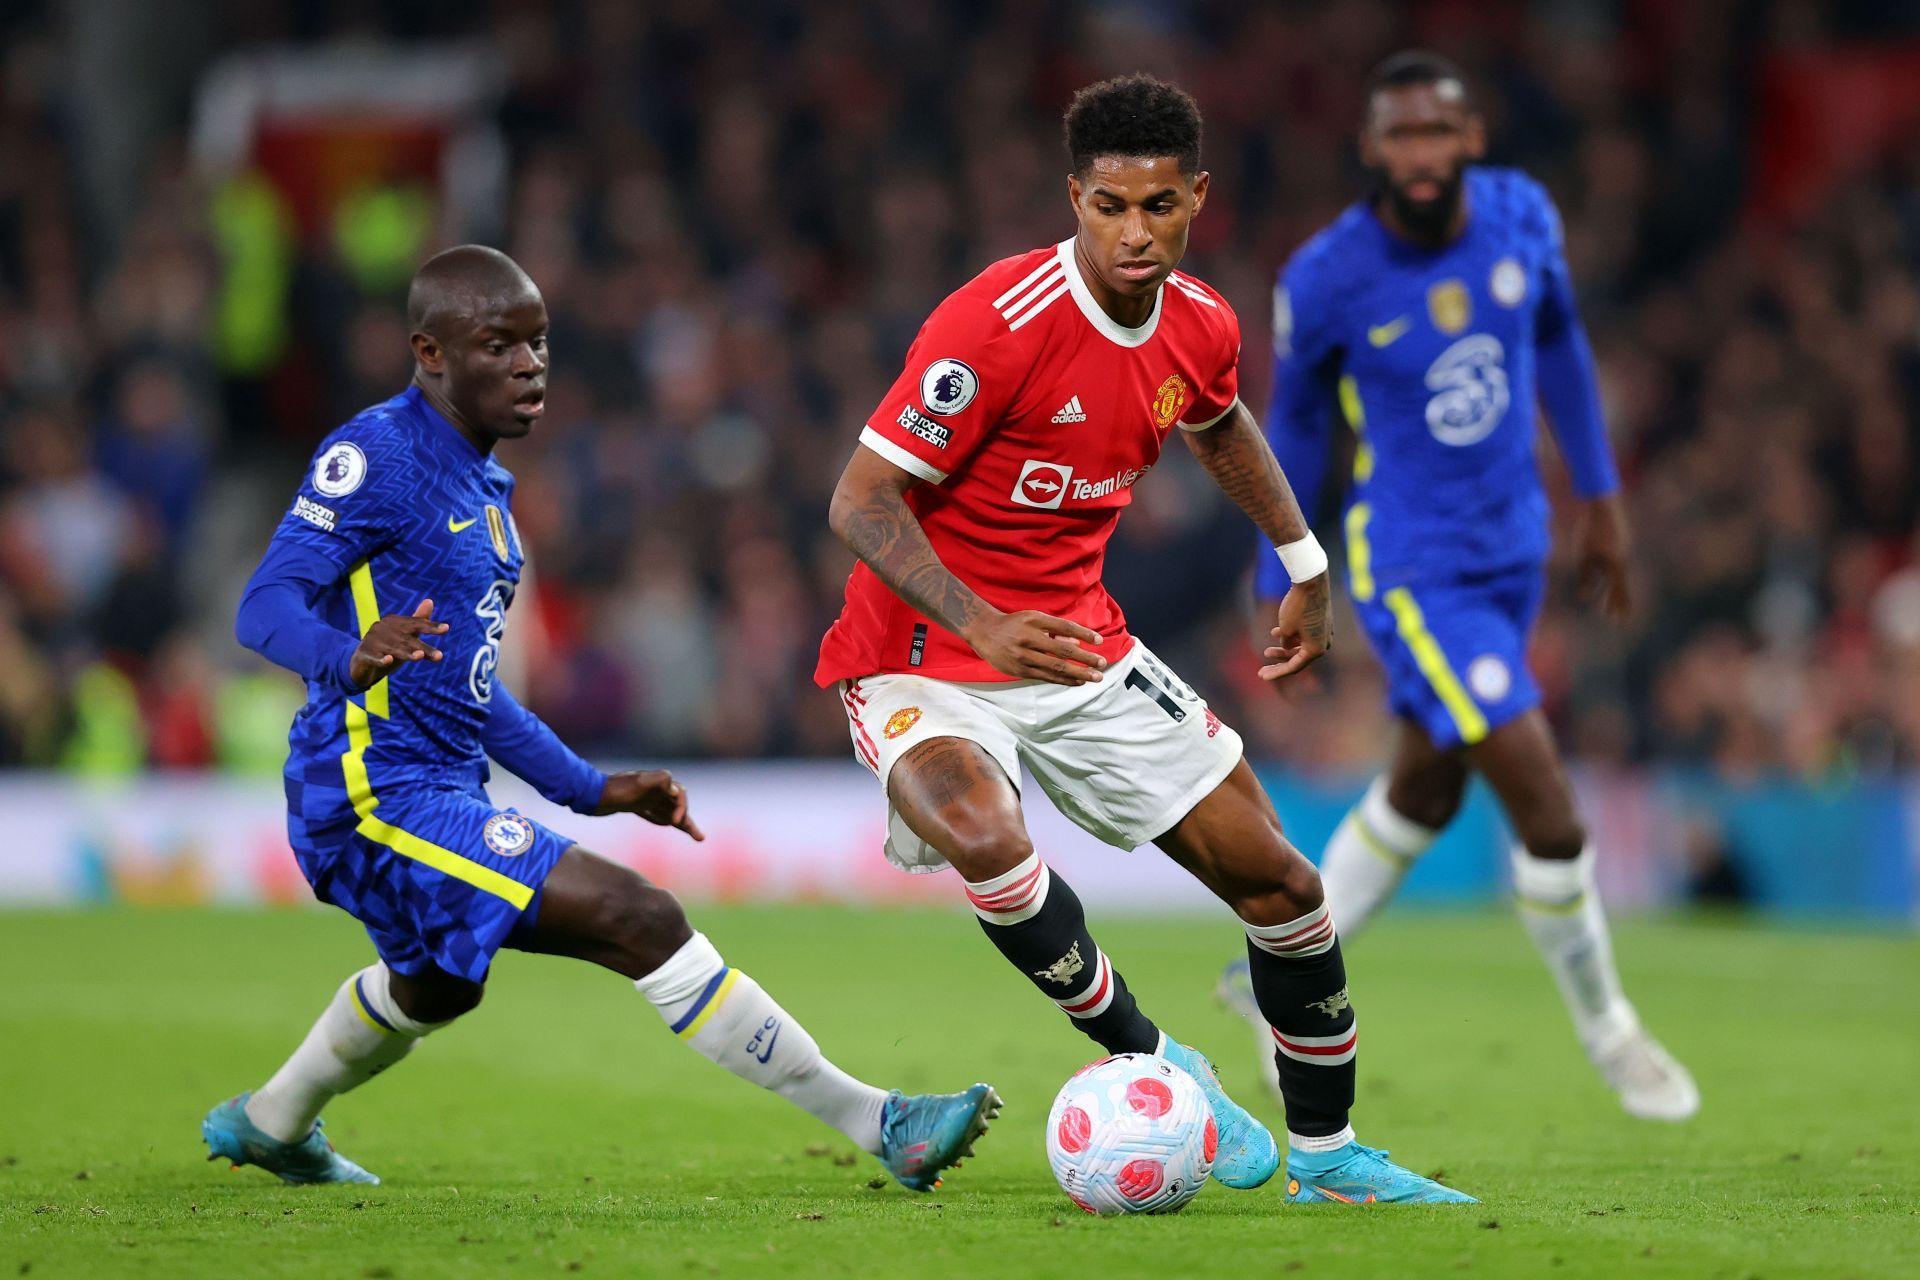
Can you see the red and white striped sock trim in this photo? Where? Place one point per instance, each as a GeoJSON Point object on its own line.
{"type": "Point", "coordinates": [1323, 1051]}
{"type": "Point", "coordinates": [1013, 896]}
{"type": "Point", "coordinates": [1093, 1001]}
{"type": "Point", "coordinates": [1310, 935]}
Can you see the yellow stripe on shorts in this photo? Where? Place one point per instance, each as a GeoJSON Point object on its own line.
{"type": "Point", "coordinates": [353, 765]}
{"type": "Point", "coordinates": [1432, 660]}
{"type": "Point", "coordinates": [446, 861]}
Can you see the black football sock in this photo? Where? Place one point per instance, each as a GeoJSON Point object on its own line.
{"type": "Point", "coordinates": [1036, 921]}
{"type": "Point", "coordinates": [1300, 981]}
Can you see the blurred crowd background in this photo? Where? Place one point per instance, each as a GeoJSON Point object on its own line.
{"type": "Point", "coordinates": [741, 211]}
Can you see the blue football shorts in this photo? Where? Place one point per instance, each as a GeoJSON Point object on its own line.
{"type": "Point", "coordinates": [436, 875]}
{"type": "Point", "coordinates": [1455, 650]}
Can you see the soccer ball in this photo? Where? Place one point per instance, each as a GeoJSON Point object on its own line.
{"type": "Point", "coordinates": [1131, 1134]}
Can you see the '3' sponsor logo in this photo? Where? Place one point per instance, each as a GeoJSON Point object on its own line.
{"type": "Point", "coordinates": [492, 612]}
{"type": "Point", "coordinates": [1469, 382]}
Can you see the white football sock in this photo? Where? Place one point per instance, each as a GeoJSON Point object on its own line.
{"type": "Point", "coordinates": [1320, 1146]}
{"type": "Point", "coordinates": [360, 1033]}
{"type": "Point", "coordinates": [1369, 855]}
{"type": "Point", "coordinates": [1561, 908]}
{"type": "Point", "coordinates": [725, 1015]}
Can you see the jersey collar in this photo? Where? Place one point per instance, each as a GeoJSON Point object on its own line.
{"type": "Point", "coordinates": [440, 433]}
{"type": "Point", "coordinates": [1084, 299]}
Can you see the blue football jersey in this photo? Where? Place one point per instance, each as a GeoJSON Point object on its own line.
{"type": "Point", "coordinates": [407, 510]}
{"type": "Point", "coordinates": [1431, 356]}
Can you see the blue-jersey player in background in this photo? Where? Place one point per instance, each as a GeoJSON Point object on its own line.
{"type": "Point", "coordinates": [387, 585]}
{"type": "Point", "coordinates": [1429, 317]}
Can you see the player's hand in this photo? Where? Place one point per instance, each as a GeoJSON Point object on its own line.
{"type": "Point", "coordinates": [1600, 556]}
{"type": "Point", "coordinates": [395, 640]}
{"type": "Point", "coordinates": [653, 795]}
{"type": "Point", "coordinates": [1030, 645]}
{"type": "Point", "coordinates": [1304, 629]}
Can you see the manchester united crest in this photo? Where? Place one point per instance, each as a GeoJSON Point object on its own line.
{"type": "Point", "coordinates": [1169, 402]}
{"type": "Point", "coordinates": [1449, 305]}
{"type": "Point", "coordinates": [901, 721]}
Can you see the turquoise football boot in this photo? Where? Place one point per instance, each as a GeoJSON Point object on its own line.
{"type": "Point", "coordinates": [228, 1132]}
{"type": "Point", "coordinates": [1247, 1155]}
{"type": "Point", "coordinates": [922, 1134]}
{"type": "Point", "coordinates": [1362, 1175]}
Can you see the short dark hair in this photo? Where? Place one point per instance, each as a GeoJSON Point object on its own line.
{"type": "Point", "coordinates": [1414, 66]}
{"type": "Point", "coordinates": [1133, 115]}
{"type": "Point", "coordinates": [459, 282]}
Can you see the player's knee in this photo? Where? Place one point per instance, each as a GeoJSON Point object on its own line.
{"type": "Point", "coordinates": [1430, 801]}
{"type": "Point", "coordinates": [1560, 841]}
{"type": "Point", "coordinates": [431, 1002]}
{"type": "Point", "coordinates": [1287, 891]}
{"type": "Point", "coordinates": [1547, 822]}
{"type": "Point", "coordinates": [642, 923]}
{"type": "Point", "coordinates": [980, 853]}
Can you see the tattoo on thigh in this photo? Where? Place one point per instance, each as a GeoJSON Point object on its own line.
{"type": "Point", "coordinates": [946, 773]}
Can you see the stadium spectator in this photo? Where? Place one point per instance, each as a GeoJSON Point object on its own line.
{"type": "Point", "coordinates": [737, 217]}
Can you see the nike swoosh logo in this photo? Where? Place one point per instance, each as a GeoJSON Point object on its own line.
{"type": "Point", "coordinates": [770, 1043]}
{"type": "Point", "coordinates": [455, 526]}
{"type": "Point", "coordinates": [1384, 335]}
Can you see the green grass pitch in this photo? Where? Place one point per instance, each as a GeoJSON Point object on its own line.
{"type": "Point", "coordinates": [560, 1130]}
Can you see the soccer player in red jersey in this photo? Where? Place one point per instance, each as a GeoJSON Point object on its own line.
{"type": "Point", "coordinates": [976, 635]}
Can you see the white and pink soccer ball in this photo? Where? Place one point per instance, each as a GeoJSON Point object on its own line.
{"type": "Point", "coordinates": [1131, 1134]}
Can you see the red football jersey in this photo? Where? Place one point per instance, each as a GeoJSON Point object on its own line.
{"type": "Point", "coordinates": [1030, 414]}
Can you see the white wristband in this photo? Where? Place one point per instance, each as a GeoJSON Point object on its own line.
{"type": "Point", "coordinates": [1304, 559]}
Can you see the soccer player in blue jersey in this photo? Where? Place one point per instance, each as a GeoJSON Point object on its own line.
{"type": "Point", "coordinates": [1430, 315]}
{"type": "Point", "coordinates": [387, 586]}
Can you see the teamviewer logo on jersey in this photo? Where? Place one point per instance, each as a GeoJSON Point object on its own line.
{"type": "Point", "coordinates": [1042, 484]}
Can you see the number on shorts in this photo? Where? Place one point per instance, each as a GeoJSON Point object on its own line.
{"type": "Point", "coordinates": [1137, 680]}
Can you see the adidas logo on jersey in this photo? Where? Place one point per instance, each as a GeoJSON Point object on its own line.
{"type": "Point", "coordinates": [1071, 412]}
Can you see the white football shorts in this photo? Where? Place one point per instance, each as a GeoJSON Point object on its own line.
{"type": "Point", "coordinates": [1125, 759]}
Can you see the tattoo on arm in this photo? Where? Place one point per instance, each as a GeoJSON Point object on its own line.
{"type": "Point", "coordinates": [878, 527]}
{"type": "Point", "coordinates": [1237, 456]}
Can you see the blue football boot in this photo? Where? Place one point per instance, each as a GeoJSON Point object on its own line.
{"type": "Point", "coordinates": [924, 1133]}
{"type": "Point", "coordinates": [228, 1132]}
{"type": "Point", "coordinates": [1362, 1175]}
{"type": "Point", "coordinates": [1247, 1155]}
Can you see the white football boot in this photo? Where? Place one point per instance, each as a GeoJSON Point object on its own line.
{"type": "Point", "coordinates": [1652, 1085]}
